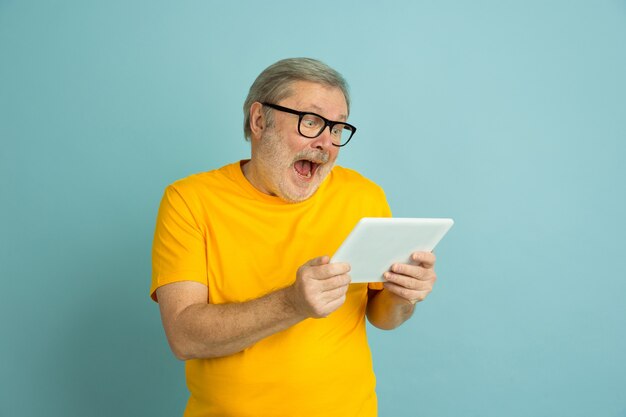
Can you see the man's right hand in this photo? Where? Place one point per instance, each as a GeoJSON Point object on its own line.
{"type": "Point", "coordinates": [320, 287]}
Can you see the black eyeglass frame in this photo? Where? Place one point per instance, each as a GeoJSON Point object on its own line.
{"type": "Point", "coordinates": [327, 123]}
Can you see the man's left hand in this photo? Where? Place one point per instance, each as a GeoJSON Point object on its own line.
{"type": "Point", "coordinates": [413, 281]}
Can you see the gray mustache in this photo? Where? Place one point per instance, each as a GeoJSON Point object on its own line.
{"type": "Point", "coordinates": [317, 157]}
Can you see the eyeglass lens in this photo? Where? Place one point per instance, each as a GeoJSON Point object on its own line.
{"type": "Point", "coordinates": [312, 126]}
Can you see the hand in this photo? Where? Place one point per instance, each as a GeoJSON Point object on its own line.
{"type": "Point", "coordinates": [320, 287]}
{"type": "Point", "coordinates": [413, 281]}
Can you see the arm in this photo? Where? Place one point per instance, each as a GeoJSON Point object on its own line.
{"type": "Point", "coordinates": [405, 286]}
{"type": "Point", "coordinates": [197, 329]}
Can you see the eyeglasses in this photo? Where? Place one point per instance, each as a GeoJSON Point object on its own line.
{"type": "Point", "coordinates": [311, 125]}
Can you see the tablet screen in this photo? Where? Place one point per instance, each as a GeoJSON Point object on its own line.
{"type": "Point", "coordinates": [376, 243]}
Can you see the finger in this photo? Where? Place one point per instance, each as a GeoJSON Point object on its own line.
{"type": "Point", "coordinates": [409, 295]}
{"type": "Point", "coordinates": [320, 260]}
{"type": "Point", "coordinates": [338, 268]}
{"type": "Point", "coordinates": [331, 270]}
{"type": "Point", "coordinates": [412, 271]}
{"type": "Point", "coordinates": [339, 281]}
{"type": "Point", "coordinates": [408, 282]}
{"type": "Point", "coordinates": [334, 305]}
{"type": "Point", "coordinates": [425, 259]}
{"type": "Point", "coordinates": [334, 293]}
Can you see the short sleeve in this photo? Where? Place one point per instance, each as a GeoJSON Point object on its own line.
{"type": "Point", "coordinates": [179, 246]}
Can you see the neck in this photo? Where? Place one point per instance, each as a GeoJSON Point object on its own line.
{"type": "Point", "coordinates": [253, 175]}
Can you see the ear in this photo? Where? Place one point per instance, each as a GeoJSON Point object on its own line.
{"type": "Point", "coordinates": [257, 120]}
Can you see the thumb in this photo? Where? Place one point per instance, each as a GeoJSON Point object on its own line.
{"type": "Point", "coordinates": [320, 260]}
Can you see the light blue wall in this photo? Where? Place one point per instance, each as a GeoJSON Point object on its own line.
{"type": "Point", "coordinates": [509, 117]}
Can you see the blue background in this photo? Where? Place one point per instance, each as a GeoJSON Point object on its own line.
{"type": "Point", "coordinates": [509, 117]}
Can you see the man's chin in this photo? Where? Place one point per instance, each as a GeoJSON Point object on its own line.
{"type": "Point", "coordinates": [298, 194]}
{"type": "Point", "coordinates": [291, 197]}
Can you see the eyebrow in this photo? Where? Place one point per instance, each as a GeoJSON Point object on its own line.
{"type": "Point", "coordinates": [342, 117]}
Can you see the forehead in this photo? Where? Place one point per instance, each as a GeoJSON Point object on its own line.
{"type": "Point", "coordinates": [328, 101]}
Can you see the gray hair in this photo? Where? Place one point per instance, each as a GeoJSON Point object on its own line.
{"type": "Point", "coordinates": [274, 84]}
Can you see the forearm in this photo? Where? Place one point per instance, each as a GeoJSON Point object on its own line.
{"type": "Point", "coordinates": [388, 311]}
{"type": "Point", "coordinates": [212, 330]}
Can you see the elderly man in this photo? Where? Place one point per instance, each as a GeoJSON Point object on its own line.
{"type": "Point", "coordinates": [248, 298]}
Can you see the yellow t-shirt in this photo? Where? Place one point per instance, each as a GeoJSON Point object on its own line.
{"type": "Point", "coordinates": [217, 229]}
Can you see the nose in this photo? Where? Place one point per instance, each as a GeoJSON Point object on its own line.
{"type": "Point", "coordinates": [324, 141]}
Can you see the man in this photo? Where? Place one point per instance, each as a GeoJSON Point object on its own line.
{"type": "Point", "coordinates": [248, 298]}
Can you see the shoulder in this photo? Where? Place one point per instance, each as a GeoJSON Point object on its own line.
{"type": "Point", "coordinates": [198, 189]}
{"type": "Point", "coordinates": [346, 177]}
{"type": "Point", "coordinates": [203, 181]}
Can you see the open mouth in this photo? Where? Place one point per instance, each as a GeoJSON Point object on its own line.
{"type": "Point", "coordinates": [305, 168]}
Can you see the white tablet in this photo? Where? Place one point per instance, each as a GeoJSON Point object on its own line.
{"type": "Point", "coordinates": [376, 243]}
